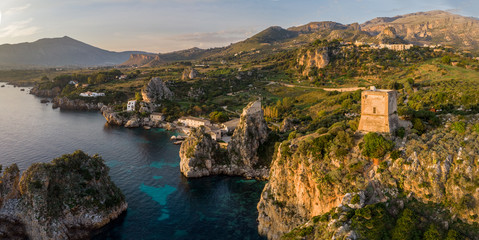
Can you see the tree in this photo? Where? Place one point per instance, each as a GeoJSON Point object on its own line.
{"type": "Point", "coordinates": [446, 59]}
{"type": "Point", "coordinates": [138, 97]}
{"type": "Point", "coordinates": [218, 117]}
{"type": "Point", "coordinates": [432, 233]}
{"type": "Point", "coordinates": [406, 226]}
{"type": "Point", "coordinates": [375, 145]}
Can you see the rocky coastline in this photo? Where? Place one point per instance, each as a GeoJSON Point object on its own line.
{"type": "Point", "coordinates": [69, 198]}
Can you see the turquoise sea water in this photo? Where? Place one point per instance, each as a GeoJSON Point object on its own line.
{"type": "Point", "coordinates": [144, 164]}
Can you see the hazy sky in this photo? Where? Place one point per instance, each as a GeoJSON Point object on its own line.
{"type": "Point", "coordinates": [166, 25]}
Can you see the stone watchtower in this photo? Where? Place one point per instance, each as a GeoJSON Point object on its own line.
{"type": "Point", "coordinates": [378, 111]}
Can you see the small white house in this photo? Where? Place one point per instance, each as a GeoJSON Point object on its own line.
{"type": "Point", "coordinates": [73, 82]}
{"type": "Point", "coordinates": [92, 94]}
{"type": "Point", "coordinates": [130, 106]}
{"type": "Point", "coordinates": [123, 77]}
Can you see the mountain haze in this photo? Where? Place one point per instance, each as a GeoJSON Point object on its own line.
{"type": "Point", "coordinates": [58, 52]}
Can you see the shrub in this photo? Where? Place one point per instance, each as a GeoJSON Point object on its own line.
{"type": "Point", "coordinates": [400, 132]}
{"type": "Point", "coordinates": [459, 127]}
{"type": "Point", "coordinates": [356, 199]}
{"type": "Point", "coordinates": [375, 145]}
{"type": "Point", "coordinates": [432, 233]}
{"type": "Point", "coordinates": [395, 154]}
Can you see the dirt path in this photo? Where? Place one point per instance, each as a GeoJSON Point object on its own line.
{"type": "Point", "coordinates": [351, 89]}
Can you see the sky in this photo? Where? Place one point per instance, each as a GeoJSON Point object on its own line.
{"type": "Point", "coordinates": [168, 25]}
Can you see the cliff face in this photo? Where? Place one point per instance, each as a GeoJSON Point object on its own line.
{"type": "Point", "coordinates": [202, 156]}
{"type": "Point", "coordinates": [76, 104]}
{"type": "Point", "coordinates": [139, 60]}
{"type": "Point", "coordinates": [65, 199]}
{"type": "Point", "coordinates": [156, 90]}
{"type": "Point", "coordinates": [310, 59]}
{"type": "Point", "coordinates": [251, 132]}
{"type": "Point", "coordinates": [311, 176]}
{"type": "Point", "coordinates": [434, 27]}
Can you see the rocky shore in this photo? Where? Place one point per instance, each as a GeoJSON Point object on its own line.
{"type": "Point", "coordinates": [50, 93]}
{"type": "Point", "coordinates": [68, 198]}
{"type": "Point", "coordinates": [76, 104]}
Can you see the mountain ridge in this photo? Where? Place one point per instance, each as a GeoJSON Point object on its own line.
{"type": "Point", "coordinates": [59, 52]}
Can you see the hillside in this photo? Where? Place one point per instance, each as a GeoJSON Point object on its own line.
{"type": "Point", "coordinates": [433, 27]}
{"type": "Point", "coordinates": [58, 52]}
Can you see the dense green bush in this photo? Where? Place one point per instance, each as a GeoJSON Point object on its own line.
{"type": "Point", "coordinates": [375, 145]}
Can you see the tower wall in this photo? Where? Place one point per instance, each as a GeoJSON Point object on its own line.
{"type": "Point", "coordinates": [378, 111]}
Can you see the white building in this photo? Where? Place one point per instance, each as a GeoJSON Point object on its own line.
{"type": "Point", "coordinates": [130, 106]}
{"type": "Point", "coordinates": [194, 122]}
{"type": "Point", "coordinates": [157, 116]}
{"type": "Point", "coordinates": [92, 94]}
{"type": "Point", "coordinates": [73, 82]}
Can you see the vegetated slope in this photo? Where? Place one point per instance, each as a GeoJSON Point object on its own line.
{"type": "Point", "coordinates": [58, 52]}
{"type": "Point", "coordinates": [433, 27]}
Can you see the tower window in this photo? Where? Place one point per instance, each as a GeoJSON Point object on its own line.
{"type": "Point", "coordinates": [374, 110]}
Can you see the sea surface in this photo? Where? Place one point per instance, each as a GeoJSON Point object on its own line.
{"type": "Point", "coordinates": [143, 163]}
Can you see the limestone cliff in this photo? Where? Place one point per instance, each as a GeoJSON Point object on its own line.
{"type": "Point", "coordinates": [313, 58]}
{"type": "Point", "coordinates": [65, 199]}
{"type": "Point", "coordinates": [202, 156]}
{"type": "Point", "coordinates": [251, 132]}
{"type": "Point", "coordinates": [314, 174]}
{"type": "Point", "coordinates": [433, 27]}
{"type": "Point", "coordinates": [156, 90]}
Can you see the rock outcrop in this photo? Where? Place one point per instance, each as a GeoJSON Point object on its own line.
{"type": "Point", "coordinates": [252, 131]}
{"type": "Point", "coordinates": [65, 199]}
{"type": "Point", "coordinates": [75, 104]}
{"type": "Point", "coordinates": [201, 156]}
{"type": "Point", "coordinates": [46, 93]}
{"type": "Point", "coordinates": [156, 90]}
{"type": "Point", "coordinates": [189, 73]}
{"type": "Point", "coordinates": [129, 120]}
{"type": "Point", "coordinates": [313, 58]}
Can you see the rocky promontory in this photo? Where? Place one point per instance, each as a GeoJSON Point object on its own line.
{"type": "Point", "coordinates": [65, 199]}
{"type": "Point", "coordinates": [65, 103]}
{"type": "Point", "coordinates": [202, 156]}
{"type": "Point", "coordinates": [129, 120]}
{"type": "Point", "coordinates": [47, 93]}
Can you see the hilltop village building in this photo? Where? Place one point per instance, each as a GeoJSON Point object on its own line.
{"type": "Point", "coordinates": [130, 106]}
{"type": "Point", "coordinates": [378, 111]}
{"type": "Point", "coordinates": [92, 94]}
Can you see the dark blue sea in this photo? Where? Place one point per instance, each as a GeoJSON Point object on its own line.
{"type": "Point", "coordinates": [143, 163]}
